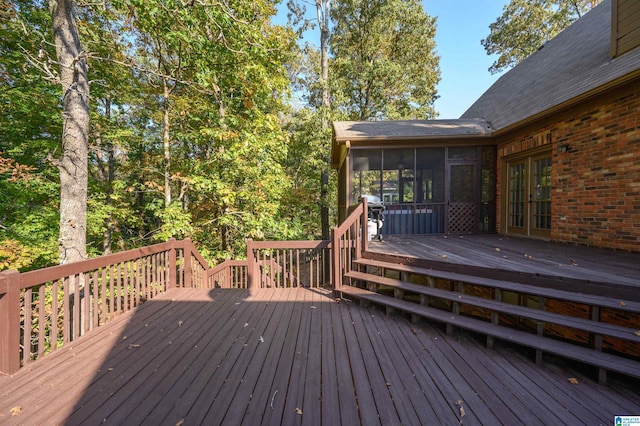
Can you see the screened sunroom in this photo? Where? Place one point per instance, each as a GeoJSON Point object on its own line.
{"type": "Point", "coordinates": [433, 177]}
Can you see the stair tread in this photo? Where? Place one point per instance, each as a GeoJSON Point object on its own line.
{"type": "Point", "coordinates": [590, 299]}
{"type": "Point", "coordinates": [590, 356]}
{"type": "Point", "coordinates": [532, 313]}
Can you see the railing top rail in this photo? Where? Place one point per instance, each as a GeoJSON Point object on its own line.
{"type": "Point", "coordinates": [226, 264]}
{"type": "Point", "coordinates": [351, 219]}
{"type": "Point", "coordinates": [40, 276]}
{"type": "Point", "coordinates": [192, 249]}
{"type": "Point", "coordinates": [318, 244]}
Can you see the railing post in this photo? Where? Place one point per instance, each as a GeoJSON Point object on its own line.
{"type": "Point", "coordinates": [173, 268]}
{"type": "Point", "coordinates": [227, 277]}
{"type": "Point", "coordinates": [335, 253]}
{"type": "Point", "coordinates": [188, 269]}
{"type": "Point", "coordinates": [365, 227]}
{"type": "Point", "coordinates": [251, 263]}
{"type": "Point", "coordinates": [9, 322]}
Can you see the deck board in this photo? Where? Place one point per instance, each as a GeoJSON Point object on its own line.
{"type": "Point", "coordinates": [499, 252]}
{"type": "Point", "coordinates": [188, 356]}
{"type": "Point", "coordinates": [345, 391]}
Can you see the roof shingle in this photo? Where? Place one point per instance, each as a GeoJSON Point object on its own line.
{"type": "Point", "coordinates": [409, 129]}
{"type": "Point", "coordinates": [572, 64]}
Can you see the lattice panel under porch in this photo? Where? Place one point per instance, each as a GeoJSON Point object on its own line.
{"type": "Point", "coordinates": [462, 218]}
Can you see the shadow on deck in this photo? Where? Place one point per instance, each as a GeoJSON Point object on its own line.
{"type": "Point", "coordinates": [295, 356]}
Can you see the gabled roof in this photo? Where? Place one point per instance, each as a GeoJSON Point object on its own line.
{"type": "Point", "coordinates": [574, 64]}
{"type": "Point", "coordinates": [354, 131]}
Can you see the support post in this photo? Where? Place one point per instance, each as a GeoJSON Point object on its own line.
{"type": "Point", "coordinates": [335, 252]}
{"type": "Point", "coordinates": [251, 266]}
{"type": "Point", "coordinates": [188, 268]}
{"type": "Point", "coordinates": [227, 277]}
{"type": "Point", "coordinates": [9, 322]}
{"type": "Point", "coordinates": [173, 268]}
{"type": "Point", "coordinates": [364, 226]}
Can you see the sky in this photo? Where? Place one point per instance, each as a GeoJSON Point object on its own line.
{"type": "Point", "coordinates": [464, 63]}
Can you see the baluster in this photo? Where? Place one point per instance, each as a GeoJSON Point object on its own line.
{"type": "Point", "coordinates": [42, 318]}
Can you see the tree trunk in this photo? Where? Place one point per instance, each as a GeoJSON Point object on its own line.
{"type": "Point", "coordinates": [75, 133]}
{"type": "Point", "coordinates": [166, 143]}
{"type": "Point", "coordinates": [323, 7]}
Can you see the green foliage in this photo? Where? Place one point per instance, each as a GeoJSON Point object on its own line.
{"type": "Point", "coordinates": [224, 66]}
{"type": "Point", "coordinates": [525, 25]}
{"type": "Point", "coordinates": [30, 127]}
{"type": "Point", "coordinates": [384, 65]}
{"type": "Point", "coordinates": [211, 81]}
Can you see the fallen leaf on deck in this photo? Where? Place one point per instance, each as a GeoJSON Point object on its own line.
{"type": "Point", "coordinates": [505, 257]}
{"type": "Point", "coordinates": [497, 249]}
{"type": "Point", "coordinates": [573, 380]}
{"type": "Point", "coordinates": [261, 339]}
{"type": "Point", "coordinates": [622, 303]}
{"type": "Point", "coordinates": [246, 324]}
{"type": "Point", "coordinates": [462, 412]}
{"type": "Point", "coordinates": [298, 411]}
{"type": "Point", "coordinates": [124, 337]}
{"type": "Point", "coordinates": [444, 256]}
{"type": "Point", "coordinates": [16, 411]}
{"type": "Point", "coordinates": [180, 323]}
{"type": "Point", "coordinates": [574, 263]}
{"type": "Point", "coordinates": [180, 422]}
{"type": "Point", "coordinates": [312, 307]}
{"type": "Point", "coordinates": [133, 345]}
{"type": "Point", "coordinates": [637, 333]}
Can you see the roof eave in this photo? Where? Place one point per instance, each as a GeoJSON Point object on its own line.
{"type": "Point", "coordinates": [620, 81]}
{"type": "Point", "coordinates": [387, 138]}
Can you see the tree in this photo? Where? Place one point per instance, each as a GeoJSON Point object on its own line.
{"type": "Point", "coordinates": [384, 65]}
{"type": "Point", "coordinates": [73, 162]}
{"type": "Point", "coordinates": [323, 8]}
{"type": "Point", "coordinates": [225, 64]}
{"type": "Point", "coordinates": [30, 127]}
{"type": "Point", "coordinates": [322, 19]}
{"type": "Point", "coordinates": [525, 25]}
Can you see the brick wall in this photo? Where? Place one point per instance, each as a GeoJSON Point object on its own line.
{"type": "Point", "coordinates": [596, 182]}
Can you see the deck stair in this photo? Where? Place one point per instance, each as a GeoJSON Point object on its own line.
{"type": "Point", "coordinates": [365, 285]}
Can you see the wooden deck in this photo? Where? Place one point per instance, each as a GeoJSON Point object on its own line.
{"type": "Point", "coordinates": [502, 253]}
{"type": "Point", "coordinates": [296, 356]}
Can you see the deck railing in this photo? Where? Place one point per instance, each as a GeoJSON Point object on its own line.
{"type": "Point", "coordinates": [275, 264]}
{"type": "Point", "coordinates": [43, 310]}
{"type": "Point", "coordinates": [349, 241]}
{"type": "Point", "coordinates": [228, 274]}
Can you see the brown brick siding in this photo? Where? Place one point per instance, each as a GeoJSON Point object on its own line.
{"type": "Point", "coordinates": [596, 183]}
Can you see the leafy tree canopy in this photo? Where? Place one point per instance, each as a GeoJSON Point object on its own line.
{"type": "Point", "coordinates": [525, 25]}
{"type": "Point", "coordinates": [384, 65]}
